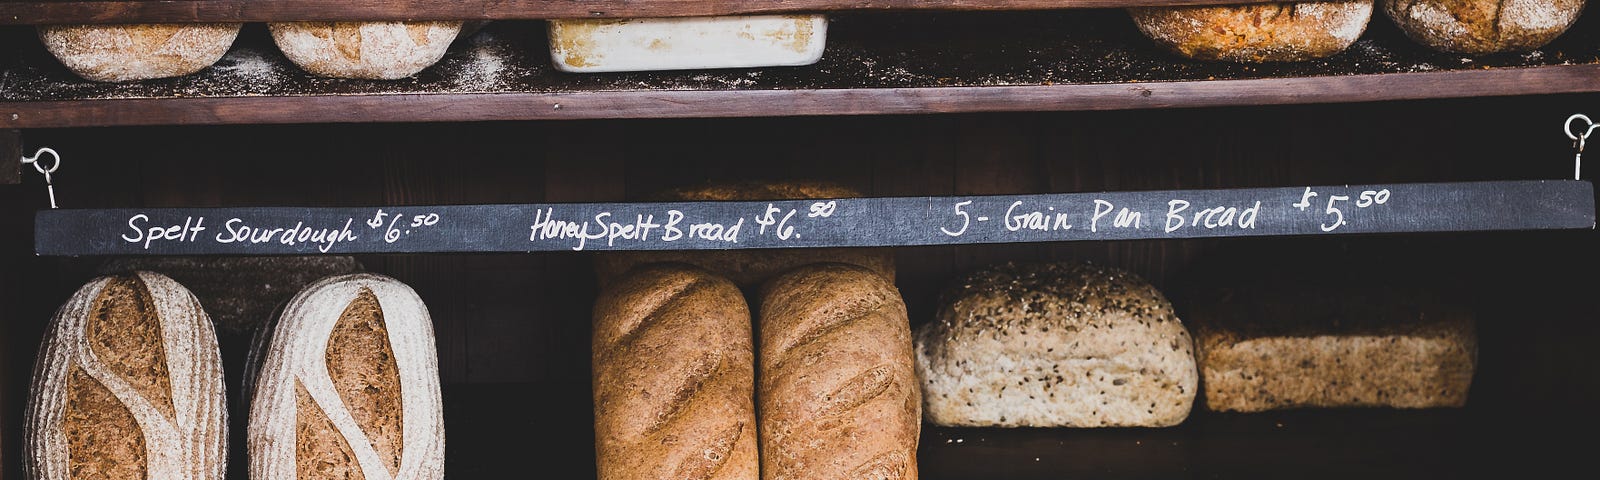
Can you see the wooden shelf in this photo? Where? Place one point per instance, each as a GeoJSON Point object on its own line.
{"type": "Point", "coordinates": [905, 63]}
{"type": "Point", "coordinates": [185, 11]}
{"type": "Point", "coordinates": [499, 430]}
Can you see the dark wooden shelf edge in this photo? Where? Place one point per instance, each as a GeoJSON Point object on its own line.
{"type": "Point", "coordinates": [34, 12]}
{"type": "Point", "coordinates": [463, 107]}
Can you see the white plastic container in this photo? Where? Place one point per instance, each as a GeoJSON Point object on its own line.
{"type": "Point", "coordinates": [612, 45]}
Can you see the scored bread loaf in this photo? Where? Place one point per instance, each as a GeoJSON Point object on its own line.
{"type": "Point", "coordinates": [837, 391]}
{"type": "Point", "coordinates": [239, 293]}
{"type": "Point", "coordinates": [1483, 26]}
{"type": "Point", "coordinates": [364, 50]}
{"type": "Point", "coordinates": [346, 385]}
{"type": "Point", "coordinates": [128, 385]}
{"type": "Point", "coordinates": [674, 378]}
{"type": "Point", "coordinates": [1262, 32]}
{"type": "Point", "coordinates": [1283, 346]}
{"type": "Point", "coordinates": [121, 53]}
{"type": "Point", "coordinates": [749, 268]}
{"type": "Point", "coordinates": [1055, 345]}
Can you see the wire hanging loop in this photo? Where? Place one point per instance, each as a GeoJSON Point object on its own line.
{"type": "Point", "coordinates": [46, 171]}
{"type": "Point", "coordinates": [1580, 139]}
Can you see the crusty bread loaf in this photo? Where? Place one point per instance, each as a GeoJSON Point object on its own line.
{"type": "Point", "coordinates": [365, 50]}
{"type": "Point", "coordinates": [1262, 32]}
{"type": "Point", "coordinates": [128, 385]}
{"type": "Point", "coordinates": [1483, 26]}
{"type": "Point", "coordinates": [837, 391]}
{"type": "Point", "coordinates": [120, 53]}
{"type": "Point", "coordinates": [1055, 345]}
{"type": "Point", "coordinates": [1281, 346]}
{"type": "Point", "coordinates": [674, 378]}
{"type": "Point", "coordinates": [749, 268]}
{"type": "Point", "coordinates": [347, 386]}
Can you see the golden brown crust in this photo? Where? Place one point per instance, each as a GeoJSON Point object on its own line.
{"type": "Point", "coordinates": [1265, 32]}
{"type": "Point", "coordinates": [1483, 26]}
{"type": "Point", "coordinates": [124, 331]}
{"type": "Point", "coordinates": [838, 392]}
{"type": "Point", "coordinates": [366, 50]}
{"type": "Point", "coordinates": [320, 451]}
{"type": "Point", "coordinates": [362, 366]}
{"type": "Point", "coordinates": [1263, 348]}
{"type": "Point", "coordinates": [749, 268]}
{"type": "Point", "coordinates": [103, 439]}
{"type": "Point", "coordinates": [674, 377]}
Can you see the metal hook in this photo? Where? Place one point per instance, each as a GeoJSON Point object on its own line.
{"type": "Point", "coordinates": [1579, 141]}
{"type": "Point", "coordinates": [37, 165]}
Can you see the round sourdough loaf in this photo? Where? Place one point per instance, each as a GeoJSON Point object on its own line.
{"type": "Point", "coordinates": [1055, 345]}
{"type": "Point", "coordinates": [365, 50]}
{"type": "Point", "coordinates": [128, 385]}
{"type": "Point", "coordinates": [121, 53]}
{"type": "Point", "coordinates": [1265, 32]}
{"type": "Point", "coordinates": [346, 385]}
{"type": "Point", "coordinates": [1483, 26]}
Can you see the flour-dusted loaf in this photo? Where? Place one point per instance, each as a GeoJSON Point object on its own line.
{"type": "Point", "coordinates": [1055, 345]}
{"type": "Point", "coordinates": [128, 385]}
{"type": "Point", "coordinates": [1262, 32]}
{"type": "Point", "coordinates": [1483, 26]}
{"type": "Point", "coordinates": [121, 53]}
{"type": "Point", "coordinates": [749, 268]}
{"type": "Point", "coordinates": [674, 378]}
{"type": "Point", "coordinates": [364, 50]}
{"type": "Point", "coordinates": [347, 386]}
{"type": "Point", "coordinates": [837, 392]}
{"type": "Point", "coordinates": [1266, 347]}
{"type": "Point", "coordinates": [637, 44]}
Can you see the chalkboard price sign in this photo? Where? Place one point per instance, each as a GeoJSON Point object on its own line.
{"type": "Point", "coordinates": [899, 221]}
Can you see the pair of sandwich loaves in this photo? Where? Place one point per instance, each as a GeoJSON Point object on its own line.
{"type": "Point", "coordinates": [129, 384]}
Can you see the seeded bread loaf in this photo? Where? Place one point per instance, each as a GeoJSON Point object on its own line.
{"type": "Point", "coordinates": [1055, 345]}
{"type": "Point", "coordinates": [674, 378]}
{"type": "Point", "coordinates": [837, 391]}
{"type": "Point", "coordinates": [128, 385]}
{"type": "Point", "coordinates": [749, 268]}
{"type": "Point", "coordinates": [346, 386]}
{"type": "Point", "coordinates": [1483, 26]}
{"type": "Point", "coordinates": [1275, 347]}
{"type": "Point", "coordinates": [1262, 32]}
{"type": "Point", "coordinates": [121, 53]}
{"type": "Point", "coordinates": [364, 50]}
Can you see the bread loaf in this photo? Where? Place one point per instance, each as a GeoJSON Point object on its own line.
{"type": "Point", "coordinates": [120, 53]}
{"type": "Point", "coordinates": [1262, 32]}
{"type": "Point", "coordinates": [347, 386]}
{"type": "Point", "coordinates": [674, 378]}
{"type": "Point", "coordinates": [1274, 347]}
{"type": "Point", "coordinates": [636, 44]}
{"type": "Point", "coordinates": [128, 385]}
{"type": "Point", "coordinates": [364, 50]}
{"type": "Point", "coordinates": [837, 391]}
{"type": "Point", "coordinates": [1483, 26]}
{"type": "Point", "coordinates": [749, 268]}
{"type": "Point", "coordinates": [1055, 345]}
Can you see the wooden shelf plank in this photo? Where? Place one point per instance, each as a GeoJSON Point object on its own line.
{"type": "Point", "coordinates": [906, 63]}
{"type": "Point", "coordinates": [183, 11]}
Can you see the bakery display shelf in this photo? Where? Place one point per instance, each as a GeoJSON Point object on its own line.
{"type": "Point", "coordinates": [25, 12]}
{"type": "Point", "coordinates": [499, 430]}
{"type": "Point", "coordinates": [875, 63]}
